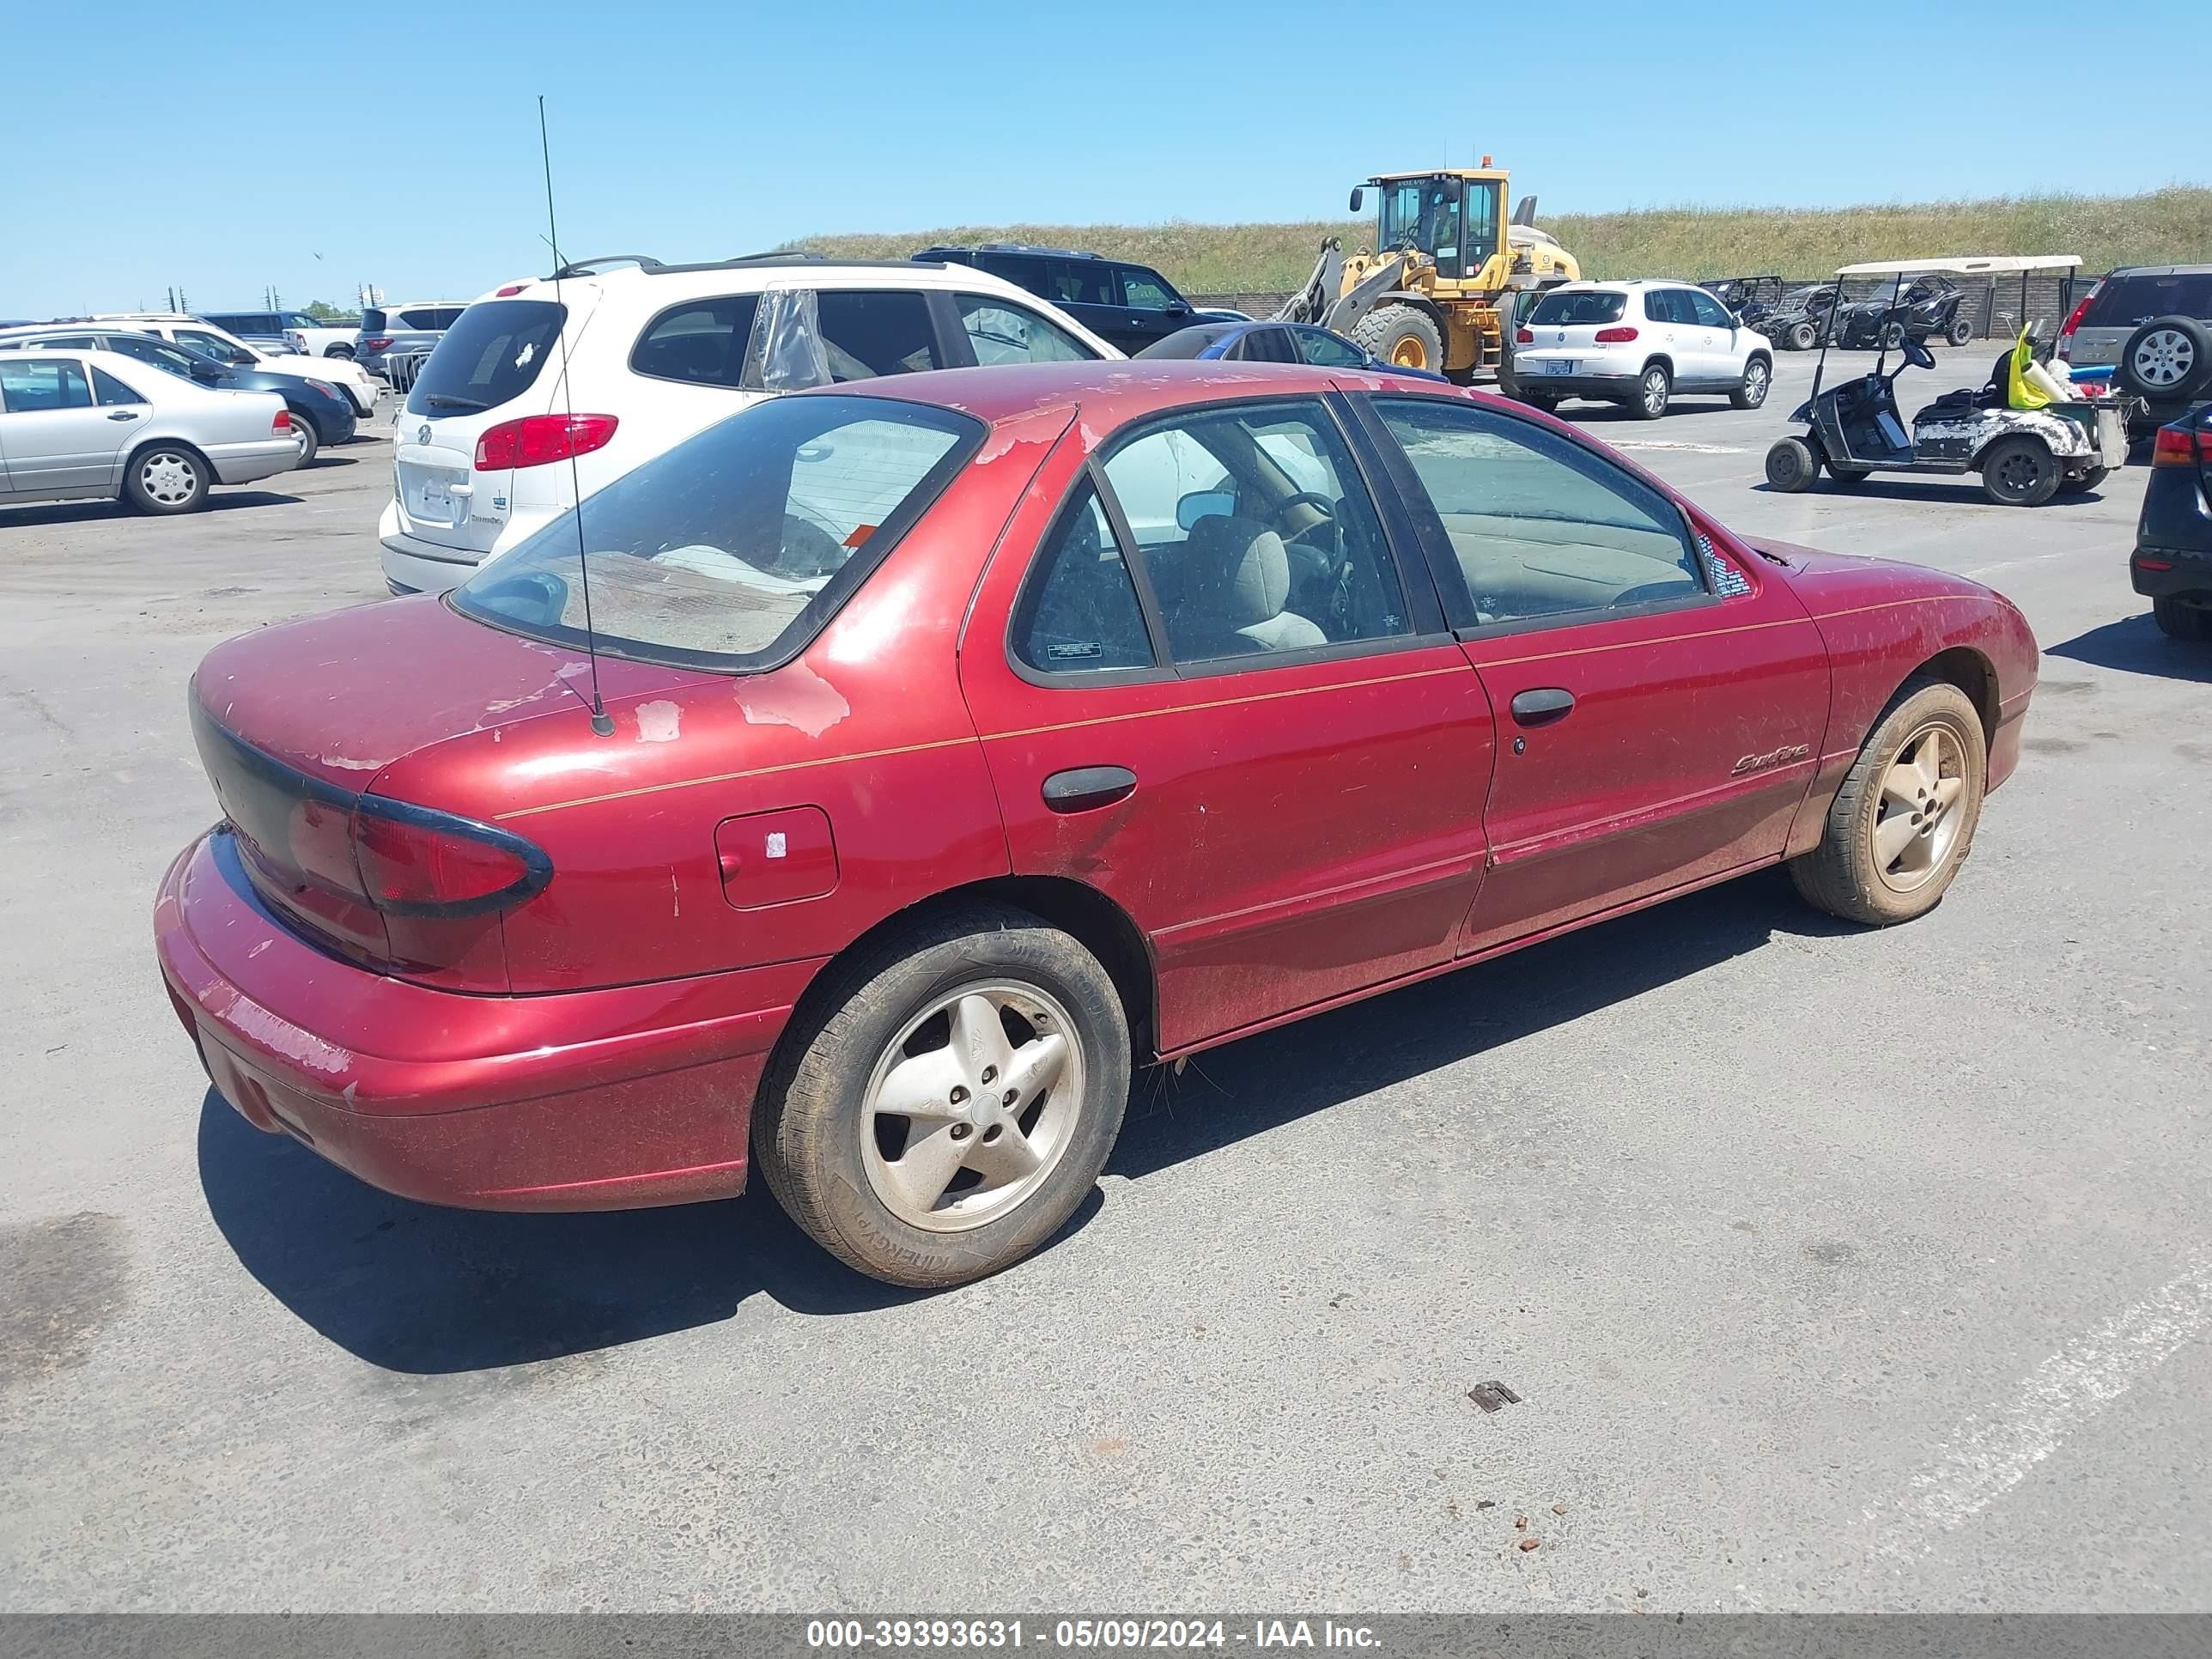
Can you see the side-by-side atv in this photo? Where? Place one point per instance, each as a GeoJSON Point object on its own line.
{"type": "Point", "coordinates": [2025, 456]}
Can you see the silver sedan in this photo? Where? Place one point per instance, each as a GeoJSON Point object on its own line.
{"type": "Point", "coordinates": [97, 425]}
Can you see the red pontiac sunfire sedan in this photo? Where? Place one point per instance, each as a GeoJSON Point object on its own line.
{"type": "Point", "coordinates": [977, 735]}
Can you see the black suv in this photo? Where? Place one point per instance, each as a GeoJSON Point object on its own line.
{"type": "Point", "coordinates": [1131, 306]}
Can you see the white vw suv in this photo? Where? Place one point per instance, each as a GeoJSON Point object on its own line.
{"type": "Point", "coordinates": [1637, 344]}
{"type": "Point", "coordinates": [483, 452]}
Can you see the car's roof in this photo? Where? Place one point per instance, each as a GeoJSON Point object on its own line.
{"type": "Point", "coordinates": [1112, 391]}
{"type": "Point", "coordinates": [1605, 284]}
{"type": "Point", "coordinates": [2163, 271]}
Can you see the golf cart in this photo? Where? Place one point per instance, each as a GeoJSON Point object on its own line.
{"type": "Point", "coordinates": [2028, 443]}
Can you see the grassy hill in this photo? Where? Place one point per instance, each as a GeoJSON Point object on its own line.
{"type": "Point", "coordinates": [2165, 225]}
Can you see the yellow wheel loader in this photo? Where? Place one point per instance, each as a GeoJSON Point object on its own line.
{"type": "Point", "coordinates": [1437, 292]}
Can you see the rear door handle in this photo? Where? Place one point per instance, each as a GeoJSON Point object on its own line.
{"type": "Point", "coordinates": [123, 415]}
{"type": "Point", "coordinates": [1084, 787]}
{"type": "Point", "coordinates": [1543, 705]}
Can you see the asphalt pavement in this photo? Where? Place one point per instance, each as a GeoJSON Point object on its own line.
{"type": "Point", "coordinates": [1833, 1269]}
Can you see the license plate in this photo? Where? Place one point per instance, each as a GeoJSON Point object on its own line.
{"type": "Point", "coordinates": [1558, 366]}
{"type": "Point", "coordinates": [432, 502]}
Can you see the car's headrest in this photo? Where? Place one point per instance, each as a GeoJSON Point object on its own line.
{"type": "Point", "coordinates": [1240, 570]}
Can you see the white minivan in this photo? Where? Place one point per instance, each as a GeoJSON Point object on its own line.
{"type": "Point", "coordinates": [484, 448]}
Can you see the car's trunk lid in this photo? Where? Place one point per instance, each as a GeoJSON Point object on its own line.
{"type": "Point", "coordinates": [296, 725]}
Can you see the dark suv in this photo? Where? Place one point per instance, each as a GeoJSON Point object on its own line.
{"type": "Point", "coordinates": [1131, 306]}
{"type": "Point", "coordinates": [2153, 323]}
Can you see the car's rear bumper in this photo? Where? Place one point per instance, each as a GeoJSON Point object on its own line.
{"type": "Point", "coordinates": [337, 425]}
{"type": "Point", "coordinates": [1528, 372]}
{"type": "Point", "coordinates": [414, 566]}
{"type": "Point", "coordinates": [2159, 573]}
{"type": "Point", "coordinates": [585, 1100]}
{"type": "Point", "coordinates": [263, 457]}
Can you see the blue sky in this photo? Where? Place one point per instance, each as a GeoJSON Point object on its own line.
{"type": "Point", "coordinates": [398, 144]}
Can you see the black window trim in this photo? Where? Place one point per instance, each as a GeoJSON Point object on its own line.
{"type": "Point", "coordinates": [1429, 525]}
{"type": "Point", "coordinates": [1427, 617]}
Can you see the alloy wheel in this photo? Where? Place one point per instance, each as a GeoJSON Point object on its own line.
{"type": "Point", "coordinates": [2164, 357]}
{"type": "Point", "coordinates": [970, 1110]}
{"type": "Point", "coordinates": [168, 478]}
{"type": "Point", "coordinates": [1654, 392]}
{"type": "Point", "coordinates": [1916, 827]}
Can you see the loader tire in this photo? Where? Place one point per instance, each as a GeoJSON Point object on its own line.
{"type": "Point", "coordinates": [1403, 336]}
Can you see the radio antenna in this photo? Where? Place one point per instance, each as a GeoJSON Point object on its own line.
{"type": "Point", "coordinates": [602, 724]}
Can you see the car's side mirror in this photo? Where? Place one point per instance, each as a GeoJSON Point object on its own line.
{"type": "Point", "coordinates": [1205, 504]}
{"type": "Point", "coordinates": [1178, 307]}
{"type": "Point", "coordinates": [1357, 196]}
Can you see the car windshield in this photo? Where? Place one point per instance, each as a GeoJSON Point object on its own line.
{"type": "Point", "coordinates": [732, 548]}
{"type": "Point", "coordinates": [1562, 307]}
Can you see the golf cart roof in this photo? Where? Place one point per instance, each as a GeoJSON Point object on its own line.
{"type": "Point", "coordinates": [1997, 265]}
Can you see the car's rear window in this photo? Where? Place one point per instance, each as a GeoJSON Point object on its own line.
{"type": "Point", "coordinates": [372, 321]}
{"type": "Point", "coordinates": [2130, 301]}
{"type": "Point", "coordinates": [492, 354]}
{"type": "Point", "coordinates": [731, 550]}
{"type": "Point", "coordinates": [1559, 307]}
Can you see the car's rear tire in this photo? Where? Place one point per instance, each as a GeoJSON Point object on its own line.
{"type": "Point", "coordinates": [343, 353]}
{"type": "Point", "coordinates": [165, 477]}
{"type": "Point", "coordinates": [1801, 337]}
{"type": "Point", "coordinates": [2019, 471]}
{"type": "Point", "coordinates": [1403, 336]}
{"type": "Point", "coordinates": [1758, 376]}
{"type": "Point", "coordinates": [1653, 389]}
{"type": "Point", "coordinates": [305, 435]}
{"type": "Point", "coordinates": [1546, 401]}
{"type": "Point", "coordinates": [1903, 820]}
{"type": "Point", "coordinates": [996, 1030]}
{"type": "Point", "coordinates": [2178, 621]}
{"type": "Point", "coordinates": [1791, 465]}
{"type": "Point", "coordinates": [1959, 331]}
{"type": "Point", "coordinates": [2166, 357]}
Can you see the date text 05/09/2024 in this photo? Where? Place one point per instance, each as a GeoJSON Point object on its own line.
{"type": "Point", "coordinates": [1117, 1634]}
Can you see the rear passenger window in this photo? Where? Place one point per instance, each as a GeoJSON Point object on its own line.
{"type": "Point", "coordinates": [1324, 351]}
{"type": "Point", "coordinates": [31, 384]}
{"type": "Point", "coordinates": [703, 342]}
{"type": "Point", "coordinates": [111, 393]}
{"type": "Point", "coordinates": [1076, 283]}
{"type": "Point", "coordinates": [867, 335]}
{"type": "Point", "coordinates": [1000, 332]}
{"type": "Point", "coordinates": [1540, 526]}
{"type": "Point", "coordinates": [1080, 612]}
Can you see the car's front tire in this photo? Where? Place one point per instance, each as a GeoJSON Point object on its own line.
{"type": "Point", "coordinates": [1959, 331]}
{"type": "Point", "coordinates": [166, 478]}
{"type": "Point", "coordinates": [1758, 376]}
{"type": "Point", "coordinates": [1791, 465]}
{"type": "Point", "coordinates": [1903, 820]}
{"type": "Point", "coordinates": [952, 1102]}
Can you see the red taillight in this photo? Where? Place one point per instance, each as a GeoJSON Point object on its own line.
{"type": "Point", "coordinates": [537, 439]}
{"type": "Point", "coordinates": [1615, 336]}
{"type": "Point", "coordinates": [2141, 564]}
{"type": "Point", "coordinates": [283, 422]}
{"type": "Point", "coordinates": [416, 862]}
{"type": "Point", "coordinates": [2074, 317]}
{"type": "Point", "coordinates": [512, 288]}
{"type": "Point", "coordinates": [2175, 448]}
{"type": "Point", "coordinates": [1524, 337]}
{"type": "Point", "coordinates": [381, 342]}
